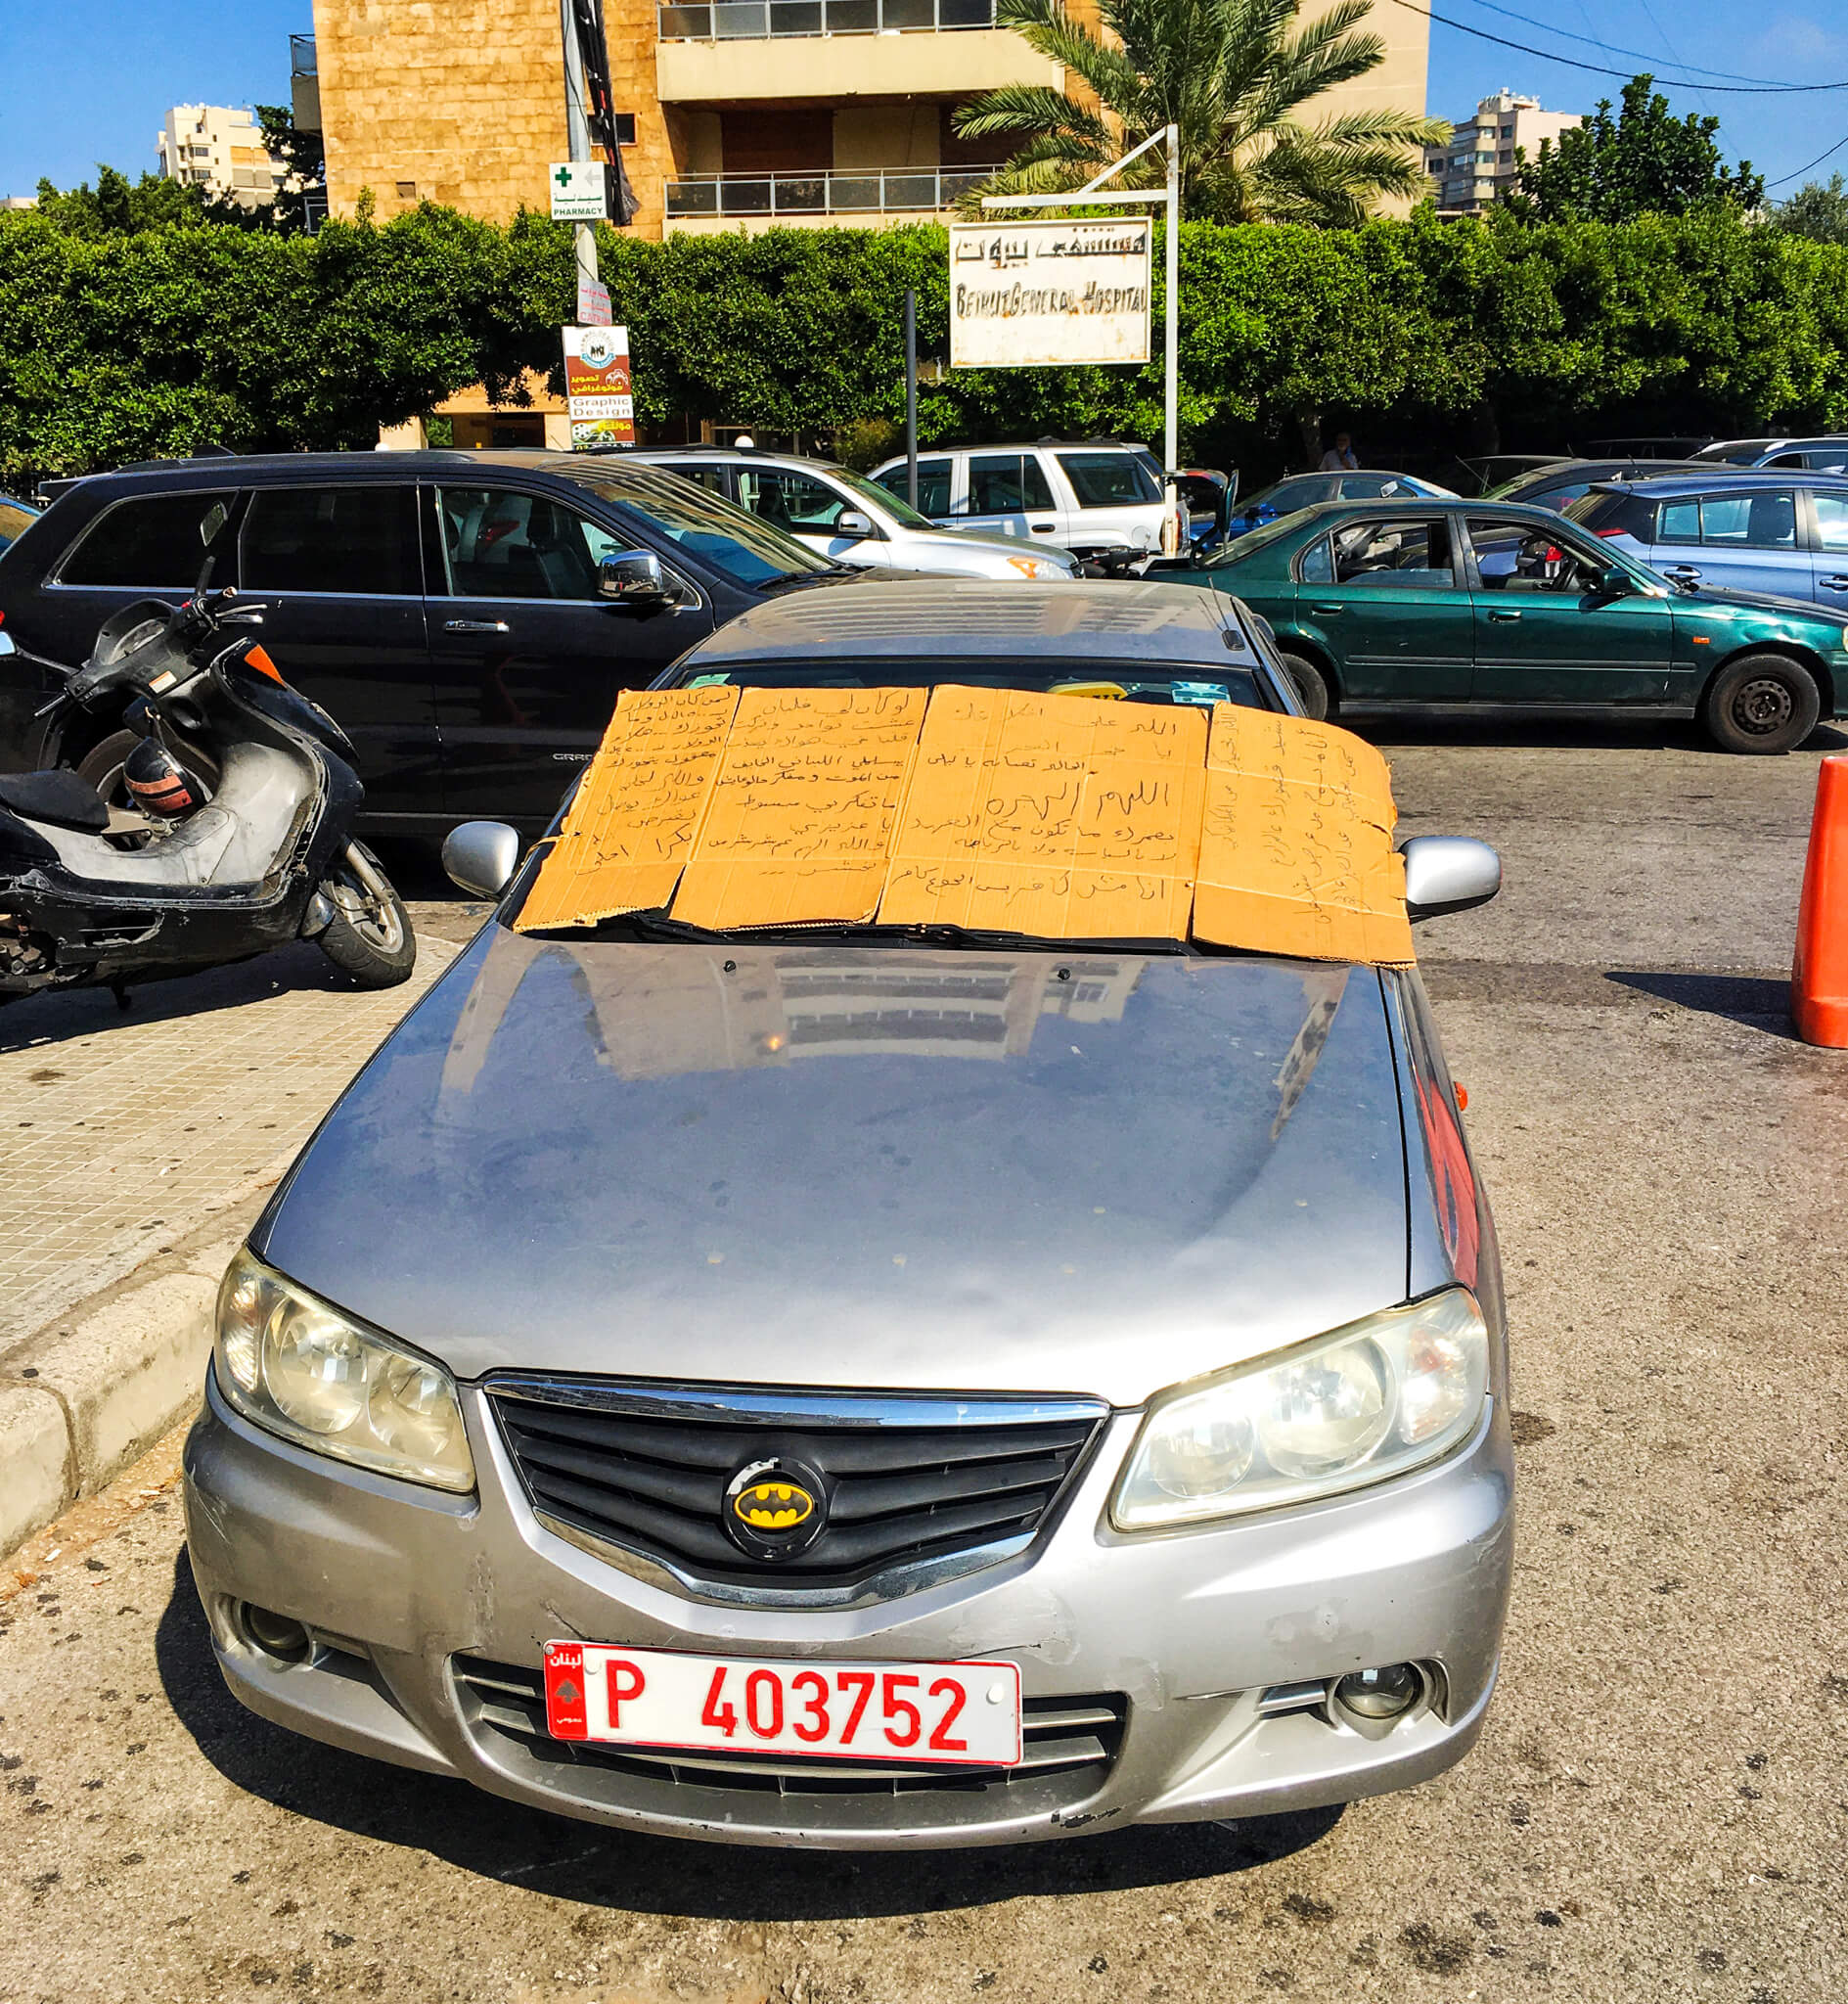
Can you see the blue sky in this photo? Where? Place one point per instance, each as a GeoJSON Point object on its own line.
{"type": "Point", "coordinates": [88, 80]}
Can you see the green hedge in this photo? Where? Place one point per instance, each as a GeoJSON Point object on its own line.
{"type": "Point", "coordinates": [137, 346]}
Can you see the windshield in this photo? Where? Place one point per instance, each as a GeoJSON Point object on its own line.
{"type": "Point", "coordinates": [1254, 540]}
{"type": "Point", "coordinates": [1741, 452]}
{"type": "Point", "coordinates": [886, 499]}
{"type": "Point", "coordinates": [738, 545]}
{"type": "Point", "coordinates": [1139, 681]}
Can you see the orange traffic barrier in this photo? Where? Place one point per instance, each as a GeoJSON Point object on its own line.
{"type": "Point", "coordinates": [1818, 974]}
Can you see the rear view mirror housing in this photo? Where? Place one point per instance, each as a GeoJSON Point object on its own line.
{"type": "Point", "coordinates": [633, 577]}
{"type": "Point", "coordinates": [481, 856]}
{"type": "Point", "coordinates": [1616, 581]}
{"type": "Point", "coordinates": [1447, 873]}
{"type": "Point", "coordinates": [851, 522]}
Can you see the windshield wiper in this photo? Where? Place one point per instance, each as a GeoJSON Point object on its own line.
{"type": "Point", "coordinates": [654, 927]}
{"type": "Point", "coordinates": [795, 580]}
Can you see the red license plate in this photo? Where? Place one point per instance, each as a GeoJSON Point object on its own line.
{"type": "Point", "coordinates": [962, 1713]}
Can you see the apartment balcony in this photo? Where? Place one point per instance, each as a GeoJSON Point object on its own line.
{"type": "Point", "coordinates": [708, 203]}
{"type": "Point", "coordinates": [742, 51]}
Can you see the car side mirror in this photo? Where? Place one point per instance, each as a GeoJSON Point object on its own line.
{"type": "Point", "coordinates": [1447, 873]}
{"type": "Point", "coordinates": [851, 522]}
{"type": "Point", "coordinates": [633, 577]}
{"type": "Point", "coordinates": [1617, 581]}
{"type": "Point", "coordinates": [481, 856]}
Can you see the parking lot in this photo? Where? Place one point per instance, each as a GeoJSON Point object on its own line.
{"type": "Point", "coordinates": [1658, 1808]}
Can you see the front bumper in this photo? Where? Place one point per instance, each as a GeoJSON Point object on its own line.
{"type": "Point", "coordinates": [429, 1615]}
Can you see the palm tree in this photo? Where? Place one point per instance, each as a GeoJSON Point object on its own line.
{"type": "Point", "coordinates": [1233, 74]}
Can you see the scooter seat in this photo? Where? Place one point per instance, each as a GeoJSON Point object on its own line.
{"type": "Point", "coordinates": [58, 797]}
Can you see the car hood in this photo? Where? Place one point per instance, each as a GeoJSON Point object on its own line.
{"type": "Point", "coordinates": [873, 1168]}
{"type": "Point", "coordinates": [992, 545]}
{"type": "Point", "coordinates": [1705, 599]}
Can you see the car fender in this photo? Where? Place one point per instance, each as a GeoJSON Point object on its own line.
{"type": "Point", "coordinates": [1799, 651]}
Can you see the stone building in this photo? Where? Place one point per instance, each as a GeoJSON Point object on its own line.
{"type": "Point", "coordinates": [1479, 162]}
{"type": "Point", "coordinates": [736, 113]}
{"type": "Point", "coordinates": [220, 149]}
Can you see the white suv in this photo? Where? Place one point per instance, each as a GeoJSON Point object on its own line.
{"type": "Point", "coordinates": [1096, 497]}
{"type": "Point", "coordinates": [840, 514]}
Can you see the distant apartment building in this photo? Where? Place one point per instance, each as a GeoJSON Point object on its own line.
{"type": "Point", "coordinates": [18, 201]}
{"type": "Point", "coordinates": [219, 149]}
{"type": "Point", "coordinates": [1478, 163]}
{"type": "Point", "coordinates": [734, 114]}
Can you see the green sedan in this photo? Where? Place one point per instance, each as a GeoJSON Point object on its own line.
{"type": "Point", "coordinates": [1384, 606]}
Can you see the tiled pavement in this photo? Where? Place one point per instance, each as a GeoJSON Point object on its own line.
{"type": "Point", "coordinates": [122, 1131]}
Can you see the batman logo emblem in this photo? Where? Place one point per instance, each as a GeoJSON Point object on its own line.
{"type": "Point", "coordinates": [774, 1509]}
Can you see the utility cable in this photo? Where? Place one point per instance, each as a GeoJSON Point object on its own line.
{"type": "Point", "coordinates": [1815, 162]}
{"type": "Point", "coordinates": [1616, 49]}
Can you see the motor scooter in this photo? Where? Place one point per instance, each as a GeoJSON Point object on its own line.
{"type": "Point", "coordinates": [212, 870]}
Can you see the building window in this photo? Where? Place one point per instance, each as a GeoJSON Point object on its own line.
{"type": "Point", "coordinates": [407, 191]}
{"type": "Point", "coordinates": [625, 128]}
{"type": "Point", "coordinates": [1508, 156]}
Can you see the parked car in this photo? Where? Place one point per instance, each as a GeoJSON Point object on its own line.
{"type": "Point", "coordinates": [1735, 530]}
{"type": "Point", "coordinates": [1565, 480]}
{"type": "Point", "coordinates": [14, 517]}
{"type": "Point", "coordinates": [1646, 447]}
{"type": "Point", "coordinates": [1482, 476]}
{"type": "Point", "coordinates": [850, 520]}
{"type": "Point", "coordinates": [1304, 490]}
{"type": "Point", "coordinates": [470, 617]}
{"type": "Point", "coordinates": [1099, 1353]}
{"type": "Point", "coordinates": [1827, 454]}
{"type": "Point", "coordinates": [1404, 605]}
{"type": "Point", "coordinates": [1100, 499]}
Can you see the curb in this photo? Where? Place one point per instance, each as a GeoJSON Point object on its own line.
{"type": "Point", "coordinates": [95, 1387]}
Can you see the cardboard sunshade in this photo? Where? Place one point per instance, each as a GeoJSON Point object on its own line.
{"type": "Point", "coordinates": [1062, 817]}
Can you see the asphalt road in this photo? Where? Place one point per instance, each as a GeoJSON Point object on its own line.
{"type": "Point", "coordinates": [1658, 1807]}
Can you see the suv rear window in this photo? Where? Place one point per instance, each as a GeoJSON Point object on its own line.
{"type": "Point", "coordinates": [1615, 515]}
{"type": "Point", "coordinates": [356, 541]}
{"type": "Point", "coordinates": [148, 545]}
{"type": "Point", "coordinates": [1109, 480]}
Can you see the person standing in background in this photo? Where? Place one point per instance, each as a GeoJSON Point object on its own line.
{"type": "Point", "coordinates": [1339, 457]}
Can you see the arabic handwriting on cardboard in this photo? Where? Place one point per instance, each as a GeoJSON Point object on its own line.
{"type": "Point", "coordinates": [638, 809]}
{"type": "Point", "coordinates": [799, 829]}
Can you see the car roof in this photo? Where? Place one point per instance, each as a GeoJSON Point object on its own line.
{"type": "Point", "coordinates": [1031, 444]}
{"type": "Point", "coordinates": [730, 455]}
{"type": "Point", "coordinates": [966, 618]}
{"type": "Point", "coordinates": [235, 469]}
{"type": "Point", "coordinates": [1670, 487]}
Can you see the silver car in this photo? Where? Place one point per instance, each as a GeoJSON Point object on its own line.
{"type": "Point", "coordinates": [841, 516]}
{"type": "Point", "coordinates": [844, 1389]}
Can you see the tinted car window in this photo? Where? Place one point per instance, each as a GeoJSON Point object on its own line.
{"type": "Point", "coordinates": [502, 544]}
{"type": "Point", "coordinates": [1680, 521]}
{"type": "Point", "coordinates": [1395, 553]}
{"type": "Point", "coordinates": [350, 540]}
{"type": "Point", "coordinates": [1109, 480]}
{"type": "Point", "coordinates": [1609, 514]}
{"type": "Point", "coordinates": [934, 484]}
{"type": "Point", "coordinates": [736, 543]}
{"type": "Point", "coordinates": [1134, 681]}
{"type": "Point", "coordinates": [711, 478]}
{"type": "Point", "coordinates": [152, 545]}
{"type": "Point", "coordinates": [1004, 482]}
{"type": "Point", "coordinates": [791, 500]}
{"type": "Point", "coordinates": [1831, 520]}
{"type": "Point", "coordinates": [1763, 520]}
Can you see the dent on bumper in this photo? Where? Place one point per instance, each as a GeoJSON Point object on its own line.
{"type": "Point", "coordinates": [396, 1583]}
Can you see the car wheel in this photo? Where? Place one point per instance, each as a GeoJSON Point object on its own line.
{"type": "Point", "coordinates": [370, 936]}
{"type": "Point", "coordinates": [1312, 684]}
{"type": "Point", "coordinates": [1762, 705]}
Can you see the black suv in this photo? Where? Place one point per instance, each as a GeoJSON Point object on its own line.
{"type": "Point", "coordinates": [468, 618]}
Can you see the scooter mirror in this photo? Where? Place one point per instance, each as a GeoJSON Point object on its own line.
{"type": "Point", "coordinates": [481, 856]}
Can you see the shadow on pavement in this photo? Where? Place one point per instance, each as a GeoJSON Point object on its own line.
{"type": "Point", "coordinates": [1756, 1001]}
{"type": "Point", "coordinates": [637, 1874]}
{"type": "Point", "coordinates": [1505, 729]}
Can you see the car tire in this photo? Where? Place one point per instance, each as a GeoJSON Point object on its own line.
{"type": "Point", "coordinates": [368, 936]}
{"type": "Point", "coordinates": [1762, 705]}
{"type": "Point", "coordinates": [1312, 684]}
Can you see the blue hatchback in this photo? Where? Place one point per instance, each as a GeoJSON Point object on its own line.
{"type": "Point", "coordinates": [1784, 536]}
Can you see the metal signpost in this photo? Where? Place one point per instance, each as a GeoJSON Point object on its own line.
{"type": "Point", "coordinates": [1168, 137]}
{"type": "Point", "coordinates": [587, 190]}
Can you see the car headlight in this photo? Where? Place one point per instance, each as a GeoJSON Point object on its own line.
{"type": "Point", "coordinates": [1360, 1405]}
{"type": "Point", "coordinates": [301, 1369]}
{"type": "Point", "coordinates": [1038, 567]}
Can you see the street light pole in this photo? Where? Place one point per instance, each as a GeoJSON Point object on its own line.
{"type": "Point", "coordinates": [911, 394]}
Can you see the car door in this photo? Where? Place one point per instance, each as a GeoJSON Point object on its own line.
{"type": "Point", "coordinates": [1829, 556]}
{"type": "Point", "coordinates": [1739, 539]}
{"type": "Point", "coordinates": [1548, 631]}
{"type": "Point", "coordinates": [340, 572]}
{"type": "Point", "coordinates": [1386, 596]}
{"type": "Point", "coordinates": [1008, 495]}
{"type": "Point", "coordinates": [527, 660]}
{"type": "Point", "coordinates": [809, 509]}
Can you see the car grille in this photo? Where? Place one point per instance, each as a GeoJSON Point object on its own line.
{"type": "Point", "coordinates": [912, 1482]}
{"type": "Point", "coordinates": [1071, 1740]}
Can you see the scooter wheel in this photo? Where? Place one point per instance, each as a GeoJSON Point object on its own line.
{"type": "Point", "coordinates": [368, 936]}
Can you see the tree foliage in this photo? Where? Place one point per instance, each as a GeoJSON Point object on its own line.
{"type": "Point", "coordinates": [125, 347]}
{"type": "Point", "coordinates": [1819, 209]}
{"type": "Point", "coordinates": [1233, 75]}
{"type": "Point", "coordinates": [1644, 161]}
{"type": "Point", "coordinates": [119, 208]}
{"type": "Point", "coordinates": [304, 155]}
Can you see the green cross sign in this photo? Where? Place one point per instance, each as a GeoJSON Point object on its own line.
{"type": "Point", "coordinates": [563, 177]}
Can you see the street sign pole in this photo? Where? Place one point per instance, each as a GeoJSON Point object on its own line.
{"type": "Point", "coordinates": [911, 394]}
{"type": "Point", "coordinates": [577, 142]}
{"type": "Point", "coordinates": [1169, 139]}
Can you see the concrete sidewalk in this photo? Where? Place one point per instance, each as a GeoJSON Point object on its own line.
{"type": "Point", "coordinates": [136, 1148]}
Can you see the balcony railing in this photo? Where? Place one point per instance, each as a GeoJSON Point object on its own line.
{"type": "Point", "coordinates": [885, 191]}
{"type": "Point", "coordinates": [302, 55]}
{"type": "Point", "coordinates": [738, 20]}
